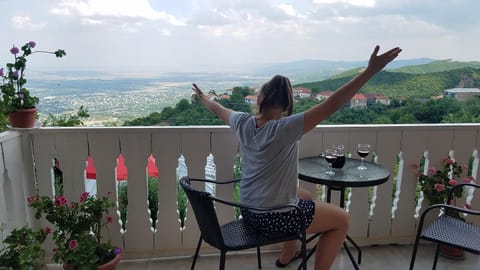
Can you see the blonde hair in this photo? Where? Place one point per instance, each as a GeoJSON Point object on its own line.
{"type": "Point", "coordinates": [276, 93]}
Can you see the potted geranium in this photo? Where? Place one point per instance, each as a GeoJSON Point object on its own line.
{"type": "Point", "coordinates": [23, 249]}
{"type": "Point", "coordinates": [77, 231]}
{"type": "Point", "coordinates": [436, 184]}
{"type": "Point", "coordinates": [16, 99]}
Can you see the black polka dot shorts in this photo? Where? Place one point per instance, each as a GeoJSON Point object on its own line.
{"type": "Point", "coordinates": [280, 222]}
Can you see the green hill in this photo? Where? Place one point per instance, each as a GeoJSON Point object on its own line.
{"type": "Point", "coordinates": [437, 66]}
{"type": "Point", "coordinates": [348, 74]}
{"type": "Point", "coordinates": [402, 84]}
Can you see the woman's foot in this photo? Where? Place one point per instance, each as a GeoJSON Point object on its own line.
{"type": "Point", "coordinates": [281, 263]}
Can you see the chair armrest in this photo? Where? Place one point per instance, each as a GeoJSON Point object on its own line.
{"type": "Point", "coordinates": [443, 206]}
{"type": "Point", "coordinates": [215, 181]}
{"type": "Point", "coordinates": [451, 207]}
{"type": "Point", "coordinates": [242, 205]}
{"type": "Point", "coordinates": [451, 191]}
{"type": "Point", "coordinates": [292, 206]}
{"type": "Point", "coordinates": [251, 207]}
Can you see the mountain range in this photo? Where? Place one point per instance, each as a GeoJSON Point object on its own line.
{"type": "Point", "coordinates": [418, 81]}
{"type": "Point", "coordinates": [316, 70]}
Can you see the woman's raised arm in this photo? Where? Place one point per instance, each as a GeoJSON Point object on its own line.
{"type": "Point", "coordinates": [214, 107]}
{"type": "Point", "coordinates": [320, 112]}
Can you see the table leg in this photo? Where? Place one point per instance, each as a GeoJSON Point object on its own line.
{"type": "Point", "coordinates": [342, 205]}
{"type": "Point", "coordinates": [352, 259]}
{"type": "Point", "coordinates": [355, 265]}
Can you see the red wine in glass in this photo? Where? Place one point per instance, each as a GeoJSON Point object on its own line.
{"type": "Point", "coordinates": [363, 150]}
{"type": "Point", "coordinates": [340, 161]}
{"type": "Point", "coordinates": [363, 153]}
{"type": "Point", "coordinates": [330, 157]}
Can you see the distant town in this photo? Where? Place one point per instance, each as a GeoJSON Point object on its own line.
{"type": "Point", "coordinates": [358, 100]}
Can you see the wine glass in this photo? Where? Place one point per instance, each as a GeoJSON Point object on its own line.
{"type": "Point", "coordinates": [363, 150]}
{"type": "Point", "coordinates": [340, 161]}
{"type": "Point", "coordinates": [330, 157]}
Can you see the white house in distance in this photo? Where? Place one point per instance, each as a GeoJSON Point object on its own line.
{"type": "Point", "coordinates": [302, 92]}
{"type": "Point", "coordinates": [323, 95]}
{"type": "Point", "coordinates": [462, 94]}
{"type": "Point", "coordinates": [251, 99]}
{"type": "Point", "coordinates": [358, 101]}
{"type": "Point", "coordinates": [377, 98]}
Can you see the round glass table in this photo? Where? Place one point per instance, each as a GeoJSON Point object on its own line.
{"type": "Point", "coordinates": [313, 170]}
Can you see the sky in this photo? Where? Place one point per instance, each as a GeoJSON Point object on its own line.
{"type": "Point", "coordinates": [226, 35]}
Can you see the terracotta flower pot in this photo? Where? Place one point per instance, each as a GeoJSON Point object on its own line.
{"type": "Point", "coordinates": [23, 118]}
{"type": "Point", "coordinates": [451, 252]}
{"type": "Point", "coordinates": [111, 265]}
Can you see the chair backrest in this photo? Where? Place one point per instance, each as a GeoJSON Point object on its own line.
{"type": "Point", "coordinates": [204, 210]}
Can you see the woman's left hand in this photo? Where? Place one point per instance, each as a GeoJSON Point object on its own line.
{"type": "Point", "coordinates": [378, 62]}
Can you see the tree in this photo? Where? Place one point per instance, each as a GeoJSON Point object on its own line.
{"type": "Point", "coordinates": [243, 90]}
{"type": "Point", "coordinates": [382, 119]}
{"type": "Point", "coordinates": [349, 116]}
{"type": "Point", "coordinates": [304, 104]}
{"type": "Point", "coordinates": [65, 120]}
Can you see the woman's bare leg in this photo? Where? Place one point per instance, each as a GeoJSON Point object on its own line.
{"type": "Point", "coordinates": [289, 248]}
{"type": "Point", "coordinates": [333, 222]}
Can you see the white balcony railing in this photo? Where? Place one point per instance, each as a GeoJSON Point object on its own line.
{"type": "Point", "coordinates": [382, 215]}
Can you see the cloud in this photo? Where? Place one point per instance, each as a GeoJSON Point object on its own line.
{"type": "Point", "coordinates": [358, 3]}
{"type": "Point", "coordinates": [221, 33]}
{"type": "Point", "coordinates": [101, 9]}
{"type": "Point", "coordinates": [25, 23]}
{"type": "Point", "coordinates": [288, 9]}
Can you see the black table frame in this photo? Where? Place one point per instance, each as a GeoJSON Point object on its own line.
{"type": "Point", "coordinates": [346, 177]}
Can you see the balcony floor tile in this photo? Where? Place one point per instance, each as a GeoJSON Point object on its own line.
{"type": "Point", "coordinates": [373, 257]}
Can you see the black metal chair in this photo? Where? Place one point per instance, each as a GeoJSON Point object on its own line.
{"type": "Point", "coordinates": [237, 234]}
{"type": "Point", "coordinates": [449, 230]}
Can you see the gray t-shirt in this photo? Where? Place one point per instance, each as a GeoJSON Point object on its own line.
{"type": "Point", "coordinates": [269, 159]}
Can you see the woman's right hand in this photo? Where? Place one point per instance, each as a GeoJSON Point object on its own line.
{"type": "Point", "coordinates": [197, 90]}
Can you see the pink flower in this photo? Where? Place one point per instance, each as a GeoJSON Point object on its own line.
{"type": "Point", "coordinates": [60, 201]}
{"type": "Point", "coordinates": [452, 182]}
{"type": "Point", "coordinates": [448, 161]}
{"type": "Point", "coordinates": [432, 170]}
{"type": "Point", "coordinates": [72, 205]}
{"type": "Point", "coordinates": [84, 196]}
{"type": "Point", "coordinates": [47, 230]}
{"type": "Point", "coordinates": [109, 219]}
{"type": "Point", "coordinates": [419, 174]}
{"type": "Point", "coordinates": [72, 244]}
{"type": "Point", "coordinates": [31, 199]}
{"type": "Point", "coordinates": [468, 179]}
{"type": "Point", "coordinates": [439, 187]}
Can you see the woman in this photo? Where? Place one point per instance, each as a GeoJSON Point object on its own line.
{"type": "Point", "coordinates": [269, 148]}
